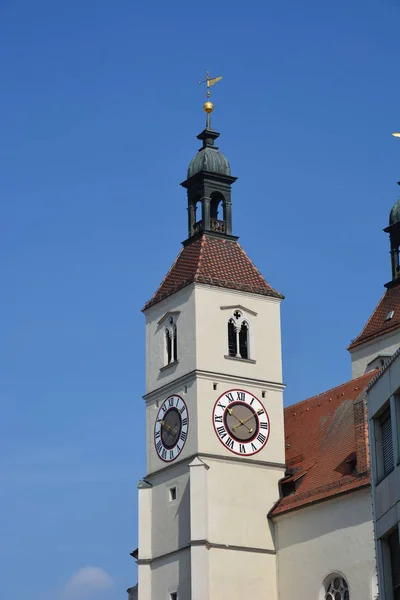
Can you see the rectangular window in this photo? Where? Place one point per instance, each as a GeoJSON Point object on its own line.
{"type": "Point", "coordinates": [387, 442]}
{"type": "Point", "coordinates": [394, 549]}
{"type": "Point", "coordinates": [172, 494]}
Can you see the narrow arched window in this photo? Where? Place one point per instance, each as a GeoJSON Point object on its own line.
{"type": "Point", "coordinates": [169, 346]}
{"type": "Point", "coordinates": [244, 340]}
{"type": "Point", "coordinates": [336, 588]}
{"type": "Point", "coordinates": [175, 344]}
{"type": "Point", "coordinates": [232, 338]}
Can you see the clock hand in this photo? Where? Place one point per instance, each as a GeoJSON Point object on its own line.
{"type": "Point", "coordinates": [248, 418]}
{"type": "Point", "coordinates": [249, 429]}
{"type": "Point", "coordinates": [230, 411]}
{"type": "Point", "coordinates": [244, 421]}
{"type": "Point", "coordinates": [167, 427]}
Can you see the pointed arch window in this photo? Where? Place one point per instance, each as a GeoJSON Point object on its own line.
{"type": "Point", "coordinates": [171, 341]}
{"type": "Point", "coordinates": [232, 338]}
{"type": "Point", "coordinates": [168, 346]}
{"type": "Point", "coordinates": [238, 336]}
{"type": "Point", "coordinates": [244, 340]}
{"type": "Point", "coordinates": [175, 353]}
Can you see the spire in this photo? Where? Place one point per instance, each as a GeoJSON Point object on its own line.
{"type": "Point", "coordinates": [209, 181]}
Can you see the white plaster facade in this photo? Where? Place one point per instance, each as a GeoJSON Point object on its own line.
{"type": "Point", "coordinates": [214, 540]}
{"type": "Point", "coordinates": [383, 398]}
{"type": "Point", "coordinates": [333, 536]}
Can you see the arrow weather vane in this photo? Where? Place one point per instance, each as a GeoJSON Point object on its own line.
{"type": "Point", "coordinates": [208, 105]}
{"type": "Point", "coordinates": [210, 82]}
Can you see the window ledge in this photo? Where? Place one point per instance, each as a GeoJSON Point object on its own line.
{"type": "Point", "coordinates": [171, 364]}
{"type": "Point", "coordinates": [246, 360]}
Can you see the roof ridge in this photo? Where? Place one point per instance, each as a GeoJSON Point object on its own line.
{"type": "Point", "coordinates": [327, 391]}
{"type": "Point", "coordinates": [202, 244]}
{"type": "Point", "coordinates": [354, 341]}
{"type": "Point", "coordinates": [242, 250]}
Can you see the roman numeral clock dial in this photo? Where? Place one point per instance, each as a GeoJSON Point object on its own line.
{"type": "Point", "coordinates": [171, 428]}
{"type": "Point", "coordinates": [241, 422]}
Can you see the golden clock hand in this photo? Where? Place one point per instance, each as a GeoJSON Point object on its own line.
{"type": "Point", "coordinates": [167, 427]}
{"type": "Point", "coordinates": [248, 418]}
{"type": "Point", "coordinates": [244, 423]}
{"type": "Point", "coordinates": [249, 429]}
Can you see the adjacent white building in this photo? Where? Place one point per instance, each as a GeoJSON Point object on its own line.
{"type": "Point", "coordinates": [243, 498]}
{"type": "Point", "coordinates": [384, 426]}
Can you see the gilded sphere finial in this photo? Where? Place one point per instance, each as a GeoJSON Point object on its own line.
{"type": "Point", "coordinates": [208, 107]}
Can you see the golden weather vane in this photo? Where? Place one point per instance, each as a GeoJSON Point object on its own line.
{"type": "Point", "coordinates": [208, 105]}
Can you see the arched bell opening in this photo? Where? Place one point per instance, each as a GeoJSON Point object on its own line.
{"type": "Point", "coordinates": [195, 215]}
{"type": "Point", "coordinates": [217, 213]}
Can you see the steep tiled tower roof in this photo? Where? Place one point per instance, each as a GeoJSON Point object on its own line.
{"type": "Point", "coordinates": [214, 260]}
{"type": "Point", "coordinates": [384, 319]}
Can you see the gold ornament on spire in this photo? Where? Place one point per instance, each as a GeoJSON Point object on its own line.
{"type": "Point", "coordinates": [208, 105]}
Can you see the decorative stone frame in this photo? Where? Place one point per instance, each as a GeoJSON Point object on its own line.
{"type": "Point", "coordinates": [237, 323]}
{"type": "Point", "coordinates": [169, 328]}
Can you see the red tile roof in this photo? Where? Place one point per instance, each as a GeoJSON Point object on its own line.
{"type": "Point", "coordinates": [377, 324]}
{"type": "Point", "coordinates": [320, 444]}
{"type": "Point", "coordinates": [214, 261]}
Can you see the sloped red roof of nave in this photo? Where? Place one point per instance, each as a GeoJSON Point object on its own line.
{"type": "Point", "coordinates": [214, 261]}
{"type": "Point", "coordinates": [377, 323]}
{"type": "Point", "coordinates": [320, 442]}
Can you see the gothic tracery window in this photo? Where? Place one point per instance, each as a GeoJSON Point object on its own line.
{"type": "Point", "coordinates": [336, 588]}
{"type": "Point", "coordinates": [171, 341]}
{"type": "Point", "coordinates": [238, 336]}
{"type": "Point", "coordinates": [232, 339]}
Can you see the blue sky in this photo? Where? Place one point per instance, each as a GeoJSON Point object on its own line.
{"type": "Point", "coordinates": [99, 111]}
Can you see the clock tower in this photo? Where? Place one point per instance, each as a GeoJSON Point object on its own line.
{"type": "Point", "coordinates": [214, 412]}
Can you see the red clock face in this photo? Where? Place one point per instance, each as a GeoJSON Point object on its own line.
{"type": "Point", "coordinates": [171, 428]}
{"type": "Point", "coordinates": [241, 422]}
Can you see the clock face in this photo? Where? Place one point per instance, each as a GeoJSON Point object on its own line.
{"type": "Point", "coordinates": [171, 428]}
{"type": "Point", "coordinates": [241, 422]}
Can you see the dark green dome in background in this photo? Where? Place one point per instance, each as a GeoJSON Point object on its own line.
{"type": "Point", "coordinates": [395, 213]}
{"type": "Point", "coordinates": [209, 159]}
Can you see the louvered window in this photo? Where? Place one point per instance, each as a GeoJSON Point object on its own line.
{"type": "Point", "coordinates": [387, 442]}
{"type": "Point", "coordinates": [393, 543]}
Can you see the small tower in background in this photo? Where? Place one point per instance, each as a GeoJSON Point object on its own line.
{"type": "Point", "coordinates": [394, 233]}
